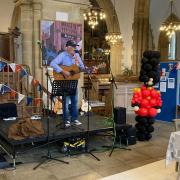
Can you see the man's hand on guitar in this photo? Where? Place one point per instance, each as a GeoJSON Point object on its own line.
{"type": "Point", "coordinates": [66, 74]}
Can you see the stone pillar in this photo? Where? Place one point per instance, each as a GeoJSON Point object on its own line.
{"type": "Point", "coordinates": [36, 60]}
{"type": "Point", "coordinates": [81, 80]}
{"type": "Point", "coordinates": [141, 33]}
{"type": "Point", "coordinates": [115, 58]}
{"type": "Point", "coordinates": [26, 29]}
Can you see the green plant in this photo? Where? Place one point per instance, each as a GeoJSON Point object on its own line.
{"type": "Point", "coordinates": [127, 71]}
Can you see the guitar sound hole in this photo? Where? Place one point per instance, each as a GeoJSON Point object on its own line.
{"type": "Point", "coordinates": [72, 73]}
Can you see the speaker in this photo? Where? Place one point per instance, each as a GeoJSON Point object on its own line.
{"type": "Point", "coordinates": [131, 135]}
{"type": "Point", "coordinates": [8, 110]}
{"type": "Point", "coordinates": [120, 115]}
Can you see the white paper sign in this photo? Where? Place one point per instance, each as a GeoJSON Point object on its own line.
{"type": "Point", "coordinates": [162, 86]}
{"type": "Point", "coordinates": [171, 83]}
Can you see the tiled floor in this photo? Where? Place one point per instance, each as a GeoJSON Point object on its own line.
{"type": "Point", "coordinates": [152, 171]}
{"type": "Point", "coordinates": [85, 167]}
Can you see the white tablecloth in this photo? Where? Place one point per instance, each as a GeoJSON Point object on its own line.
{"type": "Point", "coordinates": [173, 150]}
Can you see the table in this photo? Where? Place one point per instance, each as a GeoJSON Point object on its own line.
{"type": "Point", "coordinates": [173, 150]}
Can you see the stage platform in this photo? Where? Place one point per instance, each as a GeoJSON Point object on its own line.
{"type": "Point", "coordinates": [97, 124]}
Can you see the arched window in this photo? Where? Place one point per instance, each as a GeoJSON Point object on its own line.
{"type": "Point", "coordinates": [172, 47]}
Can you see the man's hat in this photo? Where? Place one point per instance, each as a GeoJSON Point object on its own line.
{"type": "Point", "coordinates": [71, 43]}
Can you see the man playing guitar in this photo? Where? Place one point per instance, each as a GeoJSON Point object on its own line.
{"type": "Point", "coordinates": [68, 58]}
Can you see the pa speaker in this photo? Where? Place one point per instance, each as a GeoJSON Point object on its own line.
{"type": "Point", "coordinates": [120, 115]}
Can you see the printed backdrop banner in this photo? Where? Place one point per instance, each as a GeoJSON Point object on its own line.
{"type": "Point", "coordinates": [55, 34]}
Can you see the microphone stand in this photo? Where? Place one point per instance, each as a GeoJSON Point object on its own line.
{"type": "Point", "coordinates": [48, 157]}
{"type": "Point", "coordinates": [88, 123]}
{"type": "Point", "coordinates": [113, 83]}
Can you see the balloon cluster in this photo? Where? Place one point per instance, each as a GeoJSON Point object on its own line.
{"type": "Point", "coordinates": [149, 73]}
{"type": "Point", "coordinates": [146, 100]}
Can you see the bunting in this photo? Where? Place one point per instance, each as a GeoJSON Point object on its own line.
{"type": "Point", "coordinates": [1, 86]}
{"type": "Point", "coordinates": [5, 89]}
{"type": "Point", "coordinates": [29, 101]}
{"type": "Point", "coordinates": [20, 97]}
{"type": "Point", "coordinates": [30, 79]}
{"type": "Point", "coordinates": [23, 73]}
{"type": "Point", "coordinates": [37, 101]}
{"type": "Point", "coordinates": [2, 65]}
{"type": "Point", "coordinates": [14, 94]}
{"type": "Point", "coordinates": [35, 82]}
{"type": "Point", "coordinates": [18, 68]}
{"type": "Point", "coordinates": [44, 98]}
{"type": "Point", "coordinates": [39, 87]}
{"type": "Point", "coordinates": [13, 66]}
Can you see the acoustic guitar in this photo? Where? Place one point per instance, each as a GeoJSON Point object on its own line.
{"type": "Point", "coordinates": [75, 71]}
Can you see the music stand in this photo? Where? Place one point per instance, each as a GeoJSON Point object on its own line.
{"type": "Point", "coordinates": [64, 88]}
{"type": "Point", "coordinates": [56, 90]}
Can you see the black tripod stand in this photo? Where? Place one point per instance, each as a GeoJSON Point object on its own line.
{"type": "Point", "coordinates": [48, 157]}
{"type": "Point", "coordinates": [88, 123]}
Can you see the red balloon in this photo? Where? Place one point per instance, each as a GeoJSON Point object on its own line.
{"type": "Point", "coordinates": [152, 112]}
{"type": "Point", "coordinates": [148, 106]}
{"type": "Point", "coordinates": [160, 103]}
{"type": "Point", "coordinates": [154, 93]}
{"type": "Point", "coordinates": [143, 112]}
{"type": "Point", "coordinates": [153, 102]}
{"type": "Point", "coordinates": [144, 103]}
{"type": "Point", "coordinates": [136, 99]}
{"type": "Point", "coordinates": [145, 93]}
{"type": "Point", "coordinates": [143, 87]}
{"type": "Point", "coordinates": [148, 97]}
{"type": "Point", "coordinates": [137, 94]}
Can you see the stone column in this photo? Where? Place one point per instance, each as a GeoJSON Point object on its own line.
{"type": "Point", "coordinates": [26, 29]}
{"type": "Point", "coordinates": [116, 57]}
{"type": "Point", "coordinates": [81, 80]}
{"type": "Point", "coordinates": [141, 33]}
{"type": "Point", "coordinates": [36, 60]}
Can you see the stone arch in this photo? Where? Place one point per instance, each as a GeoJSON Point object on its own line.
{"type": "Point", "coordinates": [107, 6]}
{"type": "Point", "coordinates": [15, 17]}
{"type": "Point", "coordinates": [116, 50]}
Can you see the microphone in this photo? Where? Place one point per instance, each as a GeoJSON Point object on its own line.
{"type": "Point", "coordinates": [39, 43]}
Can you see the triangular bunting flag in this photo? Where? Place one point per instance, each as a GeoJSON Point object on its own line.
{"type": "Point", "coordinates": [37, 101]}
{"type": "Point", "coordinates": [18, 67]}
{"type": "Point", "coordinates": [35, 82]}
{"type": "Point", "coordinates": [44, 98]}
{"type": "Point", "coordinates": [5, 89]}
{"type": "Point", "coordinates": [2, 65]}
{"type": "Point", "coordinates": [13, 94]}
{"type": "Point", "coordinates": [29, 101]}
{"type": "Point", "coordinates": [20, 97]}
{"type": "Point", "coordinates": [39, 87]}
{"type": "Point", "coordinates": [30, 79]}
{"type": "Point", "coordinates": [1, 86]}
{"type": "Point", "coordinates": [13, 66]}
{"type": "Point", "coordinates": [23, 73]}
